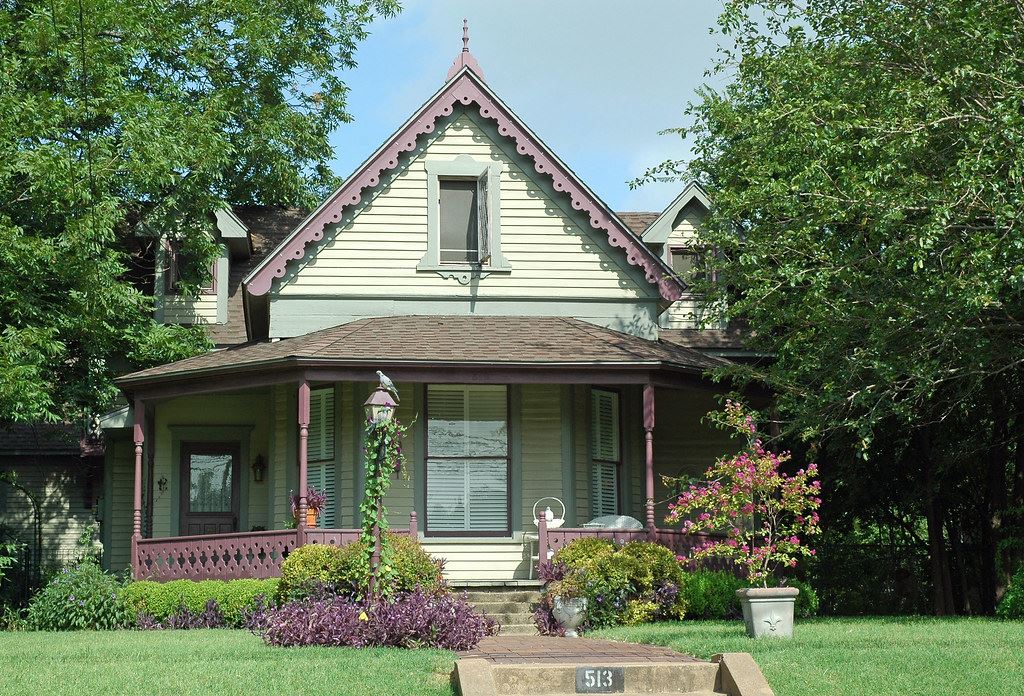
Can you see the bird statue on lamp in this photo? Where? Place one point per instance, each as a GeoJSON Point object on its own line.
{"type": "Point", "coordinates": [387, 384]}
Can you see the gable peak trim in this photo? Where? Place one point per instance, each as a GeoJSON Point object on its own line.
{"type": "Point", "coordinates": [464, 89]}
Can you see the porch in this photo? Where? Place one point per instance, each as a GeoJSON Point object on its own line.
{"type": "Point", "coordinates": [217, 443]}
{"type": "Point", "coordinates": [260, 554]}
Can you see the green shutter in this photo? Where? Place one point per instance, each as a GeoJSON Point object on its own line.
{"type": "Point", "coordinates": [605, 452]}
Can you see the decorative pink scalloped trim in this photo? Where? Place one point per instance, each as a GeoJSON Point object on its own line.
{"type": "Point", "coordinates": [464, 91]}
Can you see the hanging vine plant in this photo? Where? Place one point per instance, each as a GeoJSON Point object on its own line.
{"type": "Point", "coordinates": [383, 458]}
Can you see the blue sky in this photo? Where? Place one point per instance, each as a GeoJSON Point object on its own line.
{"type": "Point", "coordinates": [595, 79]}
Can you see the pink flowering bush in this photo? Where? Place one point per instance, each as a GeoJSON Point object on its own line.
{"type": "Point", "coordinates": [766, 515]}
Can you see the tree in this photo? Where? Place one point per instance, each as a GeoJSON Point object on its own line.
{"type": "Point", "coordinates": [865, 164]}
{"type": "Point", "coordinates": [124, 121]}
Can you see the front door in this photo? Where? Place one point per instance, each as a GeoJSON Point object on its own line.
{"type": "Point", "coordinates": [209, 487]}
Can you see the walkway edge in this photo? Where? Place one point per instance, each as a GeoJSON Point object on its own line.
{"type": "Point", "coordinates": [473, 677]}
{"type": "Point", "coordinates": [739, 675]}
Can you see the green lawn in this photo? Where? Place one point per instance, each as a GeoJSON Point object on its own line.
{"type": "Point", "coordinates": [181, 663]}
{"type": "Point", "coordinates": [864, 656]}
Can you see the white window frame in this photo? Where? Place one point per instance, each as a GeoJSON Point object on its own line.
{"type": "Point", "coordinates": [429, 531]}
{"type": "Point", "coordinates": [489, 174]}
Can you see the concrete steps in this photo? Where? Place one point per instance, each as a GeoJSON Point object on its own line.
{"type": "Point", "coordinates": [511, 607]}
{"type": "Point", "coordinates": [647, 678]}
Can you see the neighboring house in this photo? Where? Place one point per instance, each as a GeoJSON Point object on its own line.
{"type": "Point", "coordinates": [53, 497]}
{"type": "Point", "coordinates": [542, 345]}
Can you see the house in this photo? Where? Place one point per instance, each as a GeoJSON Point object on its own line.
{"type": "Point", "coordinates": [542, 346]}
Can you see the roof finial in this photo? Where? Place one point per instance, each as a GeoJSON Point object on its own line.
{"type": "Point", "coordinates": [465, 59]}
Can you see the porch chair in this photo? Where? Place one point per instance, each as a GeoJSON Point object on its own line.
{"type": "Point", "coordinates": [533, 538]}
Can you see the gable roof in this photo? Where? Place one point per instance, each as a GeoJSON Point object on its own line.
{"type": "Point", "coordinates": [659, 231]}
{"type": "Point", "coordinates": [466, 341]}
{"type": "Point", "coordinates": [465, 87]}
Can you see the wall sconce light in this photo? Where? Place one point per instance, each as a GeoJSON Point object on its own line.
{"type": "Point", "coordinates": [162, 484]}
{"type": "Point", "coordinates": [259, 468]}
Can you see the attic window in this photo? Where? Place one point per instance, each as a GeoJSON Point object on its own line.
{"type": "Point", "coordinates": [464, 221]}
{"type": "Point", "coordinates": [688, 264]}
{"type": "Point", "coordinates": [173, 264]}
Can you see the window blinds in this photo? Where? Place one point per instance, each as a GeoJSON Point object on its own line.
{"type": "Point", "coordinates": [605, 452]}
{"type": "Point", "coordinates": [467, 458]}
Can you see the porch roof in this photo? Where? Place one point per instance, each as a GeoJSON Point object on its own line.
{"type": "Point", "coordinates": [507, 342]}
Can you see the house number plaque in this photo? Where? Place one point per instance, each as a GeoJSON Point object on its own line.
{"type": "Point", "coordinates": [600, 680]}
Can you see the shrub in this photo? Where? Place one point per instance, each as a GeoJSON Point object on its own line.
{"type": "Point", "coordinates": [184, 618]}
{"type": "Point", "coordinates": [233, 598]}
{"type": "Point", "coordinates": [82, 597]}
{"type": "Point", "coordinates": [635, 583]}
{"type": "Point", "coordinates": [307, 567]}
{"type": "Point", "coordinates": [1012, 604]}
{"type": "Point", "coordinates": [711, 594]}
{"type": "Point", "coordinates": [807, 601]}
{"type": "Point", "coordinates": [582, 552]}
{"type": "Point", "coordinates": [412, 620]}
{"type": "Point", "coordinates": [341, 570]}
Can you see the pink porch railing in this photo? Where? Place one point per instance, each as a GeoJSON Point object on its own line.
{"type": "Point", "coordinates": [677, 541]}
{"type": "Point", "coordinates": [235, 555]}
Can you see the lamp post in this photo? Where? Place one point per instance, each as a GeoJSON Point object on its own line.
{"type": "Point", "coordinates": [380, 409]}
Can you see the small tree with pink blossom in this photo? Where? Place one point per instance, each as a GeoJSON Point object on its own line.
{"type": "Point", "coordinates": [757, 515]}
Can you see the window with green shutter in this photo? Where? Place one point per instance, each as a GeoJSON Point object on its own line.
{"type": "Point", "coordinates": [321, 471]}
{"type": "Point", "coordinates": [606, 452]}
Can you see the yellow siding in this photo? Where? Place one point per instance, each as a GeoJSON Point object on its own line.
{"type": "Point", "coordinates": [477, 559]}
{"type": "Point", "coordinates": [541, 424]}
{"type": "Point", "coordinates": [118, 513]}
{"type": "Point", "coordinates": [381, 247]}
{"type": "Point", "coordinates": [190, 310]}
{"type": "Point", "coordinates": [581, 450]}
{"type": "Point", "coordinates": [59, 483]}
{"type": "Point", "coordinates": [400, 499]}
{"type": "Point", "coordinates": [278, 468]}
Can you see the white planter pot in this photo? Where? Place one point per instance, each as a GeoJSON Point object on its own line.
{"type": "Point", "coordinates": [570, 613]}
{"type": "Point", "coordinates": [768, 611]}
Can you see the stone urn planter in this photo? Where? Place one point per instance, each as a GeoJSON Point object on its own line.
{"type": "Point", "coordinates": [768, 611]}
{"type": "Point", "coordinates": [570, 613]}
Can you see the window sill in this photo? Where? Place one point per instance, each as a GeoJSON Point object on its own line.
{"type": "Point", "coordinates": [463, 272]}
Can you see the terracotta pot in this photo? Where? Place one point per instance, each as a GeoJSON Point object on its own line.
{"type": "Point", "coordinates": [311, 518]}
{"type": "Point", "coordinates": [768, 611]}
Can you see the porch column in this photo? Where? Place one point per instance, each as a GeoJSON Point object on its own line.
{"type": "Point", "coordinates": [649, 455]}
{"type": "Point", "coordinates": [303, 447]}
{"type": "Point", "coordinates": [139, 410]}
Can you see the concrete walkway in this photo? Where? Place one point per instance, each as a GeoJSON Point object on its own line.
{"type": "Point", "coordinates": [553, 650]}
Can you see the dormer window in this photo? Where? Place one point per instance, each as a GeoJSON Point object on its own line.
{"type": "Point", "coordinates": [463, 219]}
{"type": "Point", "coordinates": [172, 271]}
{"type": "Point", "coordinates": [688, 264]}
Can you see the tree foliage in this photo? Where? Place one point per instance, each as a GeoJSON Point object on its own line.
{"type": "Point", "coordinates": [121, 122]}
{"type": "Point", "coordinates": [866, 165]}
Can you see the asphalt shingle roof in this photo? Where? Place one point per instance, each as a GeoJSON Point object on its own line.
{"type": "Point", "coordinates": [449, 340]}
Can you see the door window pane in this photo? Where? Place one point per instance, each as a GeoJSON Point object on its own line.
{"type": "Point", "coordinates": [210, 483]}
